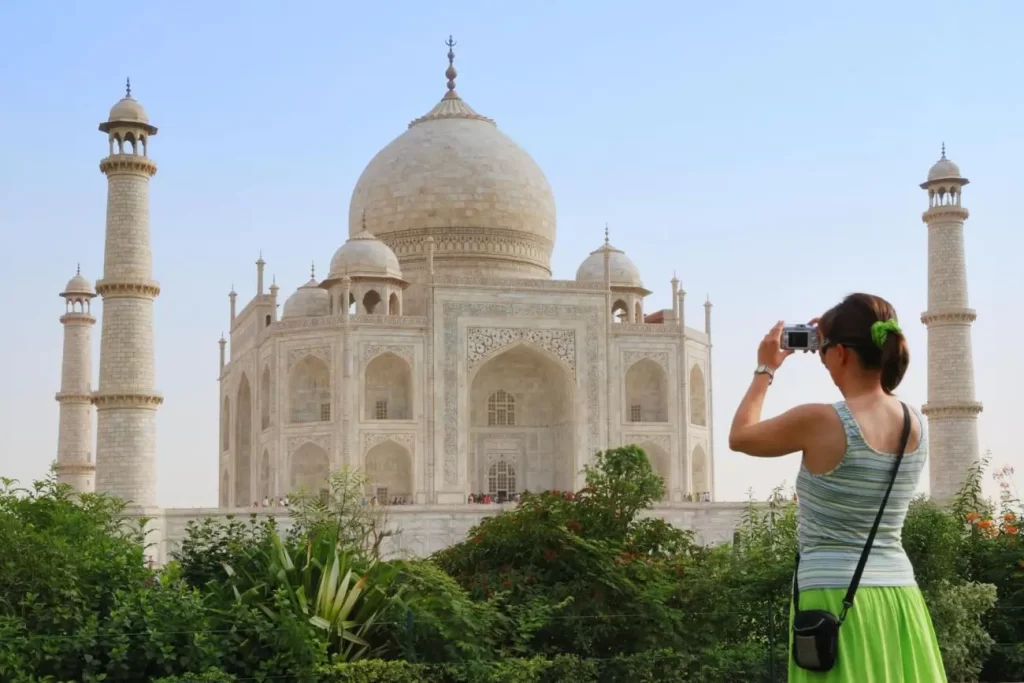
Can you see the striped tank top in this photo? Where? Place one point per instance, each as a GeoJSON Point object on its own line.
{"type": "Point", "coordinates": [837, 510]}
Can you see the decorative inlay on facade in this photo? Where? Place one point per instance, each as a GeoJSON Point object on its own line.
{"type": "Point", "coordinates": [477, 242]}
{"type": "Point", "coordinates": [373, 350]}
{"type": "Point", "coordinates": [515, 283]}
{"type": "Point", "coordinates": [321, 352]}
{"type": "Point", "coordinates": [405, 439]}
{"type": "Point", "coordinates": [483, 341]}
{"type": "Point", "coordinates": [324, 441]}
{"type": "Point", "coordinates": [663, 441]}
{"type": "Point", "coordinates": [620, 329]}
{"type": "Point", "coordinates": [631, 357]}
{"type": "Point", "coordinates": [452, 311]}
{"type": "Point", "coordinates": [243, 339]}
{"type": "Point", "coordinates": [409, 321]}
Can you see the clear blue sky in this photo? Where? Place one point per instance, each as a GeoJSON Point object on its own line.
{"type": "Point", "coordinates": [767, 152]}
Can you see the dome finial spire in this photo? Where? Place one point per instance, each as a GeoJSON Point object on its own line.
{"type": "Point", "coordinates": [606, 232]}
{"type": "Point", "coordinates": [451, 73]}
{"type": "Point", "coordinates": [364, 220]}
{"type": "Point", "coordinates": [78, 269]}
{"type": "Point", "coordinates": [943, 149]}
{"type": "Point", "coordinates": [312, 269]}
{"type": "Point", "coordinates": [127, 88]}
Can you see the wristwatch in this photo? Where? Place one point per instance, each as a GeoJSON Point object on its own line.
{"type": "Point", "coordinates": [765, 370]}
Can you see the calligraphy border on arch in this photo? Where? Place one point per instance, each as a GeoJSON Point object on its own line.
{"type": "Point", "coordinates": [406, 439]}
{"type": "Point", "coordinates": [631, 356]}
{"type": "Point", "coordinates": [321, 352]}
{"type": "Point", "coordinates": [662, 440]}
{"type": "Point", "coordinates": [452, 311]}
{"type": "Point", "coordinates": [323, 440]}
{"type": "Point", "coordinates": [482, 342]}
{"type": "Point", "coordinates": [371, 351]}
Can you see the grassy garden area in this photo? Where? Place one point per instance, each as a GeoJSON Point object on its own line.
{"type": "Point", "coordinates": [573, 587]}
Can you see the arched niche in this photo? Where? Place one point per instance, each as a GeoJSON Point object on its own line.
{"type": "Point", "coordinates": [523, 412]}
{"type": "Point", "coordinates": [225, 489]}
{"type": "Point", "coordinates": [698, 397]}
{"type": "Point", "coordinates": [265, 398]}
{"type": "Point", "coordinates": [620, 311]}
{"type": "Point", "coordinates": [701, 471]}
{"type": "Point", "coordinates": [660, 463]}
{"type": "Point", "coordinates": [646, 392]}
{"type": "Point", "coordinates": [501, 479]}
{"type": "Point", "coordinates": [309, 391]}
{"type": "Point", "coordinates": [266, 479]}
{"type": "Point", "coordinates": [371, 300]}
{"type": "Point", "coordinates": [309, 470]}
{"type": "Point", "coordinates": [388, 468]}
{"type": "Point", "coordinates": [394, 305]}
{"type": "Point", "coordinates": [388, 388]}
{"type": "Point", "coordinates": [243, 444]}
{"type": "Point", "coordinates": [225, 425]}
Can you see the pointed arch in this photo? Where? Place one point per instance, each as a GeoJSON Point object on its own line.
{"type": "Point", "coordinates": [388, 388]}
{"type": "Point", "coordinates": [501, 479]}
{"type": "Point", "coordinates": [389, 472]}
{"type": "Point", "coordinates": [225, 426]}
{"type": "Point", "coordinates": [309, 391]}
{"type": "Point", "coordinates": [701, 471]}
{"type": "Point", "coordinates": [539, 441]}
{"type": "Point", "coordinates": [225, 489]}
{"type": "Point", "coordinates": [394, 304]}
{"type": "Point", "coordinates": [660, 462]}
{"type": "Point", "coordinates": [646, 392]}
{"type": "Point", "coordinates": [620, 311]}
{"type": "Point", "coordinates": [370, 301]}
{"type": "Point", "coordinates": [266, 480]}
{"type": "Point", "coordinates": [243, 443]}
{"type": "Point", "coordinates": [265, 398]}
{"type": "Point", "coordinates": [309, 470]}
{"type": "Point", "coordinates": [698, 397]}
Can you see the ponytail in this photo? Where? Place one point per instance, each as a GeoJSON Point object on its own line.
{"type": "Point", "coordinates": [895, 357]}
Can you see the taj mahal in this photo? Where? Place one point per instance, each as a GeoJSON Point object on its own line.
{"type": "Point", "coordinates": [436, 353]}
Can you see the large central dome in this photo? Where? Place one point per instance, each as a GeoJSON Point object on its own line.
{"type": "Point", "coordinates": [454, 176]}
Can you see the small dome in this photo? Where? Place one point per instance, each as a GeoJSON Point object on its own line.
{"type": "Point", "coordinates": [128, 110]}
{"type": "Point", "coordinates": [944, 169]}
{"type": "Point", "coordinates": [79, 285]}
{"type": "Point", "coordinates": [364, 255]}
{"type": "Point", "coordinates": [308, 300]}
{"type": "Point", "coordinates": [624, 272]}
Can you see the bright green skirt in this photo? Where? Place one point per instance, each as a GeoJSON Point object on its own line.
{"type": "Point", "coordinates": [887, 637]}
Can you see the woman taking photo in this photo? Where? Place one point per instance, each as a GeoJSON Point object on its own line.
{"type": "Point", "coordinates": [850, 455]}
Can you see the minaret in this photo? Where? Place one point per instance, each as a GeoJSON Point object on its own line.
{"type": "Point", "coordinates": [126, 401]}
{"type": "Point", "coordinates": [74, 437]}
{"type": "Point", "coordinates": [951, 409]}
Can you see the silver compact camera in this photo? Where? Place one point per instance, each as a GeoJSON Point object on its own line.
{"type": "Point", "coordinates": [800, 338]}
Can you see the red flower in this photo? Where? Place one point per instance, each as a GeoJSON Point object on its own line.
{"type": "Point", "coordinates": [550, 554]}
{"type": "Point", "coordinates": [478, 539]}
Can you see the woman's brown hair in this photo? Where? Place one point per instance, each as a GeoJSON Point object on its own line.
{"type": "Point", "coordinates": [849, 324]}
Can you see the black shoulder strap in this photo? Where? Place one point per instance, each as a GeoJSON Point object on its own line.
{"type": "Point", "coordinates": [862, 562]}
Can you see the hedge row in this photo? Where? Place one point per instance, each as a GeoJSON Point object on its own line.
{"type": "Point", "coordinates": [748, 663]}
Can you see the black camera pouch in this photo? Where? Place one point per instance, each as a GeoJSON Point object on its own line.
{"type": "Point", "coordinates": [816, 632]}
{"type": "Point", "coordinates": [815, 640]}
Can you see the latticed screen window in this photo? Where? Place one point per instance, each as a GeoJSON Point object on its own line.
{"type": "Point", "coordinates": [382, 494]}
{"type": "Point", "coordinates": [325, 412]}
{"type": "Point", "coordinates": [381, 410]}
{"type": "Point", "coordinates": [634, 414]}
{"type": "Point", "coordinates": [501, 478]}
{"type": "Point", "coordinates": [501, 409]}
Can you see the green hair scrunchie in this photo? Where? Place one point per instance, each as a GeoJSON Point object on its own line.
{"type": "Point", "coordinates": [881, 329]}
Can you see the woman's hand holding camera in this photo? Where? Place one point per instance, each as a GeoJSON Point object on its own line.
{"type": "Point", "coordinates": [770, 352]}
